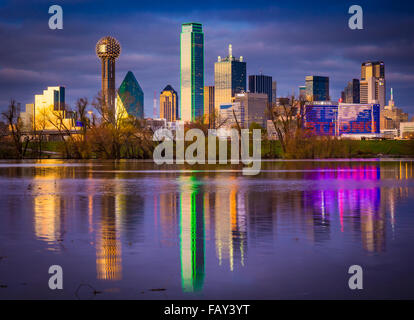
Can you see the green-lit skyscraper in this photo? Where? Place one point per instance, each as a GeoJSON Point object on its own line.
{"type": "Point", "coordinates": [130, 98]}
{"type": "Point", "coordinates": [192, 71]}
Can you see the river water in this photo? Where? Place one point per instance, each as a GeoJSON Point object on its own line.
{"type": "Point", "coordinates": [135, 230]}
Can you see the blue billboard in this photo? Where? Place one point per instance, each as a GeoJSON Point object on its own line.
{"type": "Point", "coordinates": [359, 118]}
{"type": "Point", "coordinates": [320, 119]}
{"type": "Point", "coordinates": [326, 120]}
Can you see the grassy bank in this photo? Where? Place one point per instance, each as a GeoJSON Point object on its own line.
{"type": "Point", "coordinates": [309, 149]}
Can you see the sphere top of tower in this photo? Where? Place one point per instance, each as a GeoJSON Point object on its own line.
{"type": "Point", "coordinates": [108, 47]}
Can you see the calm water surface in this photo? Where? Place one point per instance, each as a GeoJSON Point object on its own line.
{"type": "Point", "coordinates": [134, 230]}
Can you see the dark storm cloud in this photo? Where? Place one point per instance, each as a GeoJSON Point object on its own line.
{"type": "Point", "coordinates": [278, 38]}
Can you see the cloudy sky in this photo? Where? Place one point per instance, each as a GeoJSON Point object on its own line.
{"type": "Point", "coordinates": [285, 39]}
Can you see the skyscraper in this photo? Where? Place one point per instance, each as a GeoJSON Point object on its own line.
{"type": "Point", "coordinates": [229, 78]}
{"type": "Point", "coordinates": [374, 69]}
{"type": "Point", "coordinates": [209, 111]}
{"type": "Point", "coordinates": [130, 98]}
{"type": "Point", "coordinates": [372, 90]}
{"type": "Point", "coordinates": [372, 85]}
{"type": "Point", "coordinates": [317, 88]}
{"type": "Point", "coordinates": [302, 93]}
{"type": "Point", "coordinates": [274, 91]}
{"type": "Point", "coordinates": [261, 84]}
{"type": "Point", "coordinates": [192, 71]}
{"type": "Point", "coordinates": [169, 104]}
{"type": "Point", "coordinates": [108, 50]}
{"type": "Point", "coordinates": [352, 92]}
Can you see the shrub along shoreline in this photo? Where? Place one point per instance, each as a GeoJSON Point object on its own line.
{"type": "Point", "coordinates": [270, 149]}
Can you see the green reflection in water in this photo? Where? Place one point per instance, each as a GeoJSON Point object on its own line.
{"type": "Point", "coordinates": [192, 239]}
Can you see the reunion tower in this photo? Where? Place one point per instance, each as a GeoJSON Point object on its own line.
{"type": "Point", "coordinates": [108, 50]}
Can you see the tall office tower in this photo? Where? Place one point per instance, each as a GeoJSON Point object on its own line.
{"type": "Point", "coordinates": [108, 50]}
{"type": "Point", "coordinates": [192, 71]}
{"type": "Point", "coordinates": [352, 92]}
{"type": "Point", "coordinates": [374, 71]}
{"type": "Point", "coordinates": [209, 111]}
{"type": "Point", "coordinates": [367, 90]}
{"type": "Point", "coordinates": [261, 84]}
{"type": "Point", "coordinates": [169, 104]}
{"type": "Point", "coordinates": [372, 90]}
{"type": "Point", "coordinates": [229, 79]}
{"type": "Point", "coordinates": [317, 88]}
{"type": "Point", "coordinates": [130, 98]}
{"type": "Point", "coordinates": [274, 91]}
{"type": "Point", "coordinates": [302, 93]}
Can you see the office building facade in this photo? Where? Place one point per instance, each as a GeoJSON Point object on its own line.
{"type": "Point", "coordinates": [229, 79]}
{"type": "Point", "coordinates": [209, 110]}
{"type": "Point", "coordinates": [317, 88]}
{"type": "Point", "coordinates": [274, 91]}
{"type": "Point", "coordinates": [302, 93]}
{"type": "Point", "coordinates": [48, 112]}
{"type": "Point", "coordinates": [130, 98]}
{"type": "Point", "coordinates": [192, 71]}
{"type": "Point", "coordinates": [246, 109]}
{"type": "Point", "coordinates": [392, 116]}
{"type": "Point", "coordinates": [169, 104]}
{"type": "Point", "coordinates": [372, 84]}
{"type": "Point", "coordinates": [261, 84]}
{"type": "Point", "coordinates": [352, 92]}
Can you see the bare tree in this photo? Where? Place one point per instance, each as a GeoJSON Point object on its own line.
{"type": "Point", "coordinates": [11, 115]}
{"type": "Point", "coordinates": [81, 114]}
{"type": "Point", "coordinates": [287, 119]}
{"type": "Point", "coordinates": [217, 120]}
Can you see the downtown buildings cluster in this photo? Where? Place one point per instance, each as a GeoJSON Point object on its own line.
{"type": "Point", "coordinates": [361, 112]}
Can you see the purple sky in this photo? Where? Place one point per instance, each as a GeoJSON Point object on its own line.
{"type": "Point", "coordinates": [278, 38]}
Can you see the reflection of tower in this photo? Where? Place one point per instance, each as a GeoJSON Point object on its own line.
{"type": "Point", "coordinates": [108, 50]}
{"type": "Point", "coordinates": [230, 226]}
{"type": "Point", "coordinates": [192, 238]}
{"type": "Point", "coordinates": [48, 222]}
{"type": "Point", "coordinates": [108, 247]}
{"type": "Point", "coordinates": [168, 208]}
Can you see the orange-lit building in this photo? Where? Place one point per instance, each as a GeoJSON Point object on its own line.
{"type": "Point", "coordinates": [169, 104]}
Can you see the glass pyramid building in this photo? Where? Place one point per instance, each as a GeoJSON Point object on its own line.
{"type": "Point", "coordinates": [130, 98]}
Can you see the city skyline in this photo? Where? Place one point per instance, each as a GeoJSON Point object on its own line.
{"type": "Point", "coordinates": [53, 60]}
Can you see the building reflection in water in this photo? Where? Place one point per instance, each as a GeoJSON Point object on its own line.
{"type": "Point", "coordinates": [108, 244]}
{"type": "Point", "coordinates": [358, 208]}
{"type": "Point", "coordinates": [192, 238]}
{"type": "Point", "coordinates": [227, 212]}
{"type": "Point", "coordinates": [49, 209]}
{"type": "Point", "coordinates": [230, 224]}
